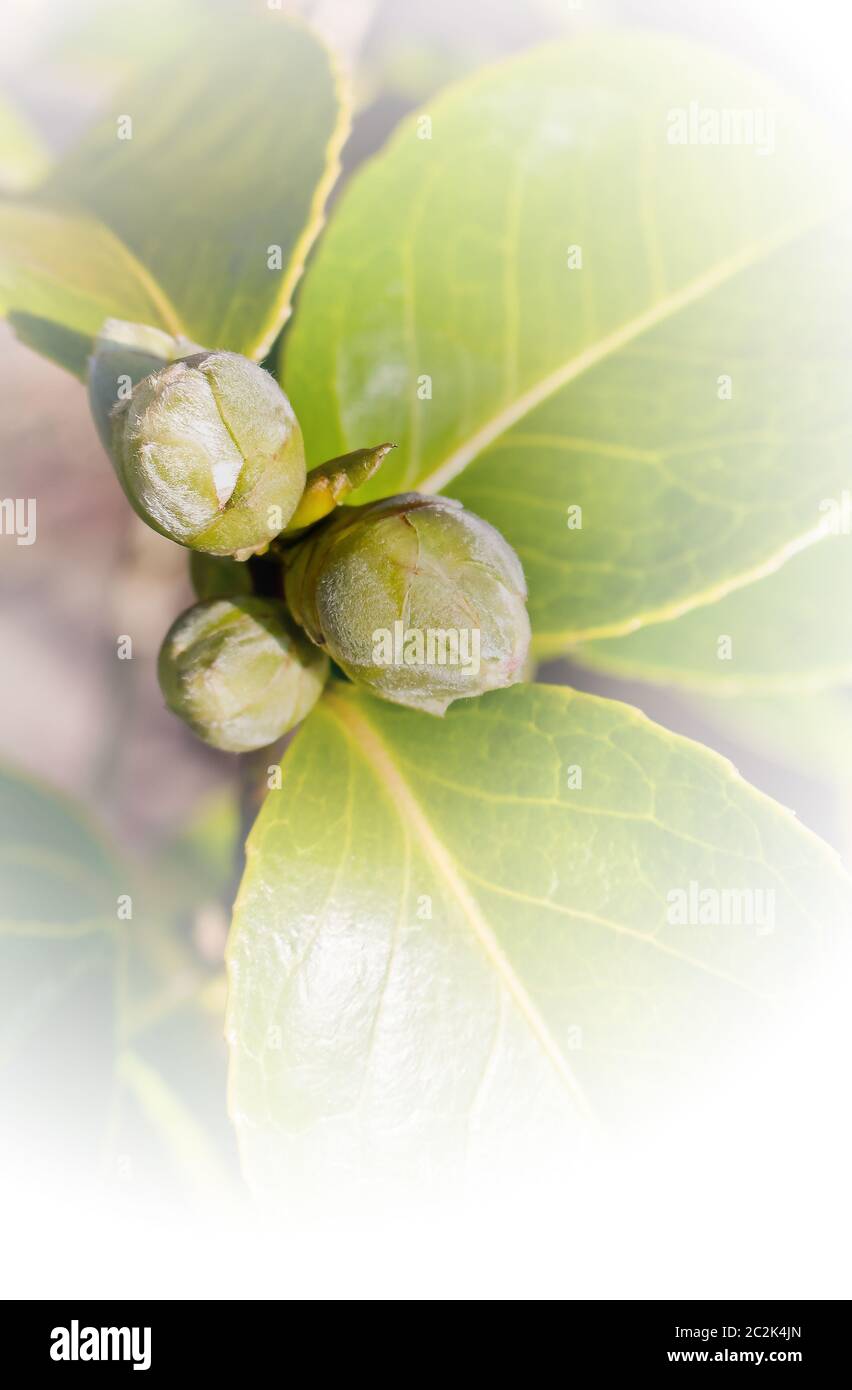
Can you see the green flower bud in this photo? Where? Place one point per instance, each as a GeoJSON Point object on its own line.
{"type": "Point", "coordinates": [239, 672]}
{"type": "Point", "coordinates": [415, 597]}
{"type": "Point", "coordinates": [210, 453]}
{"type": "Point", "coordinates": [123, 354]}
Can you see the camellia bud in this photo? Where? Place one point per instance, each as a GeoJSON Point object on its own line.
{"type": "Point", "coordinates": [239, 672]}
{"type": "Point", "coordinates": [415, 597]}
{"type": "Point", "coordinates": [209, 453]}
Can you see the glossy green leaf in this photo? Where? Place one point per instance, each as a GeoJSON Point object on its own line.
{"type": "Point", "coordinates": [455, 930]}
{"type": "Point", "coordinates": [790, 632]}
{"type": "Point", "coordinates": [59, 892]}
{"type": "Point", "coordinates": [230, 153]}
{"type": "Point", "coordinates": [62, 275]}
{"type": "Point", "coordinates": [542, 298]}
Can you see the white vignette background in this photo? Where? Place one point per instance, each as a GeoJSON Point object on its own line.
{"type": "Point", "coordinates": [706, 1207]}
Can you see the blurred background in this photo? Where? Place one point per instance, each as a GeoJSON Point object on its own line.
{"type": "Point", "coordinates": [74, 720]}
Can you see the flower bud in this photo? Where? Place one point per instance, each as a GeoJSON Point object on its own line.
{"type": "Point", "coordinates": [239, 672]}
{"type": "Point", "coordinates": [210, 453]}
{"type": "Point", "coordinates": [415, 597]}
{"type": "Point", "coordinates": [123, 354]}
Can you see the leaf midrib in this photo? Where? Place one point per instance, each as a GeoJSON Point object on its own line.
{"type": "Point", "coordinates": [541, 390]}
{"type": "Point", "coordinates": [379, 759]}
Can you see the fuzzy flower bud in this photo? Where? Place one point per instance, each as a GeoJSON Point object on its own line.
{"type": "Point", "coordinates": [209, 453]}
{"type": "Point", "coordinates": [414, 597]}
{"type": "Point", "coordinates": [239, 672]}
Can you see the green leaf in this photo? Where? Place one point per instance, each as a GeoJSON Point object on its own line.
{"type": "Point", "coordinates": [190, 1146]}
{"type": "Point", "coordinates": [58, 945]}
{"type": "Point", "coordinates": [24, 161]}
{"type": "Point", "coordinates": [58, 878]}
{"type": "Point", "coordinates": [62, 275]}
{"type": "Point", "coordinates": [441, 937]}
{"type": "Point", "coordinates": [446, 309]}
{"type": "Point", "coordinates": [205, 852]}
{"type": "Point", "coordinates": [234, 148]}
{"type": "Point", "coordinates": [109, 1063]}
{"type": "Point", "coordinates": [95, 45]}
{"type": "Point", "coordinates": [791, 632]}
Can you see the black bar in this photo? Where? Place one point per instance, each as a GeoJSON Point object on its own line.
{"type": "Point", "coordinates": [789, 1338]}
